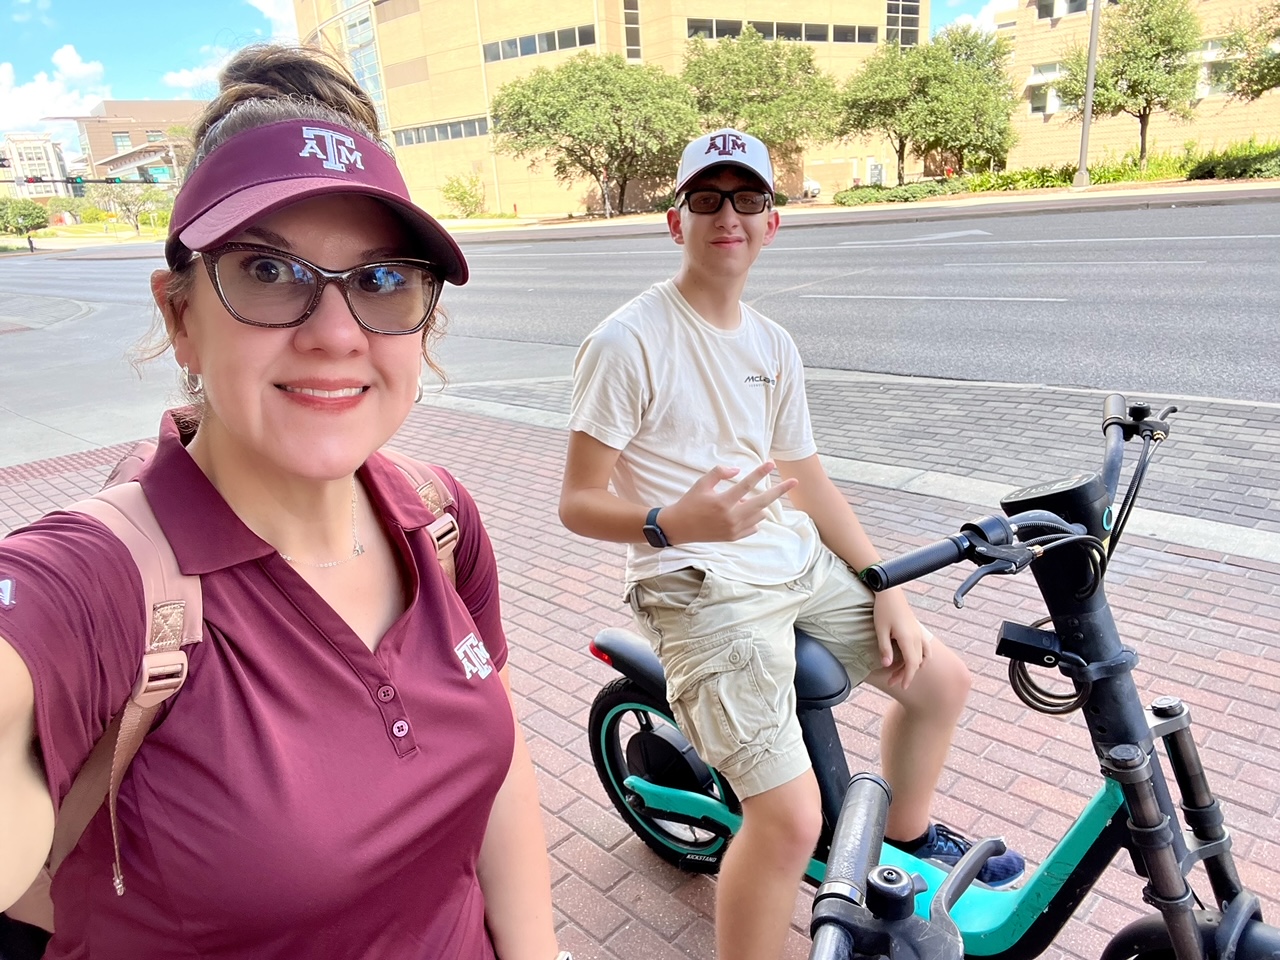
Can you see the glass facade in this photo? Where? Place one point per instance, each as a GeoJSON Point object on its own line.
{"type": "Point", "coordinates": [535, 43]}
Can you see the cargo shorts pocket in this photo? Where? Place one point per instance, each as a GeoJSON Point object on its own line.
{"type": "Point", "coordinates": [724, 698]}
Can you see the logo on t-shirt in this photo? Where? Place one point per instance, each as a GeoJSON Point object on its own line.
{"type": "Point", "coordinates": [760, 378]}
{"type": "Point", "coordinates": [7, 587]}
{"type": "Point", "coordinates": [474, 657]}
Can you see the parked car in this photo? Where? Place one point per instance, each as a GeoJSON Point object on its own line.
{"type": "Point", "coordinates": [811, 188]}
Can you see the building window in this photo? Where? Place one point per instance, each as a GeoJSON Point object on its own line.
{"type": "Point", "coordinates": [546, 41]}
{"type": "Point", "coordinates": [728, 28]}
{"type": "Point", "coordinates": [1045, 100]}
{"type": "Point", "coordinates": [902, 23]}
{"type": "Point", "coordinates": [843, 34]}
{"type": "Point", "coordinates": [789, 31]}
{"type": "Point", "coordinates": [816, 32]}
{"type": "Point", "coordinates": [492, 52]}
{"type": "Point", "coordinates": [706, 29]}
{"type": "Point", "coordinates": [528, 45]}
{"type": "Point", "coordinates": [763, 27]}
{"type": "Point", "coordinates": [631, 27]}
{"type": "Point", "coordinates": [587, 35]}
{"type": "Point", "coordinates": [1076, 6]}
{"type": "Point", "coordinates": [1044, 9]}
{"type": "Point", "coordinates": [511, 48]}
{"type": "Point", "coordinates": [121, 142]}
{"type": "Point", "coordinates": [454, 130]}
{"type": "Point", "coordinates": [566, 38]}
{"type": "Point", "coordinates": [868, 35]}
{"type": "Point", "coordinates": [153, 136]}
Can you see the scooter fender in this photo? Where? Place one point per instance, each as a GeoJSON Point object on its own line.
{"type": "Point", "coordinates": [630, 654]}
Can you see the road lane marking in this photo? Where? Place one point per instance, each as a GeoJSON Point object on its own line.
{"type": "Point", "coordinates": [1075, 263]}
{"type": "Point", "coordinates": [894, 296]}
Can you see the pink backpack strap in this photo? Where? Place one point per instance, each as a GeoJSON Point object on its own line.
{"type": "Point", "coordinates": [435, 497]}
{"type": "Point", "coordinates": [175, 618]}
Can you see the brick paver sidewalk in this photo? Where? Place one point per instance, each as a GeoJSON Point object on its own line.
{"type": "Point", "coordinates": [1204, 625]}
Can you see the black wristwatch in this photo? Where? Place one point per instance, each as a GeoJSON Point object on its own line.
{"type": "Point", "coordinates": [653, 533]}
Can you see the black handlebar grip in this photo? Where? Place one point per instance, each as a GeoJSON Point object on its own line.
{"type": "Point", "coordinates": [831, 942]}
{"type": "Point", "coordinates": [859, 834]}
{"type": "Point", "coordinates": [1114, 410]}
{"type": "Point", "coordinates": [917, 563]}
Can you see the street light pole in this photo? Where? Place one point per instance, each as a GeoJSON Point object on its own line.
{"type": "Point", "coordinates": [1082, 171]}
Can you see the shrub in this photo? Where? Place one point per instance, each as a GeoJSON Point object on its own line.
{"type": "Point", "coordinates": [779, 199]}
{"type": "Point", "coordinates": [90, 214]}
{"type": "Point", "coordinates": [464, 195]}
{"type": "Point", "coordinates": [855, 196]}
{"type": "Point", "coordinates": [1238, 161]}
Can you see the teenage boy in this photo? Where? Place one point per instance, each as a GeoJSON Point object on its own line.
{"type": "Point", "coordinates": [686, 400]}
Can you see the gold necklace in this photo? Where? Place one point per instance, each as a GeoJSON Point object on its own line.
{"type": "Point", "coordinates": [357, 548]}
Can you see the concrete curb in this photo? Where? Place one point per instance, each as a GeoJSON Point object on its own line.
{"type": "Point", "coordinates": [916, 212]}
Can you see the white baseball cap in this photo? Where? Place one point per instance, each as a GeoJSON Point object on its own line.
{"type": "Point", "coordinates": [725, 147]}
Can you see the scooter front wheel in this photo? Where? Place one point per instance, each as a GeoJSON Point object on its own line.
{"type": "Point", "coordinates": [633, 734]}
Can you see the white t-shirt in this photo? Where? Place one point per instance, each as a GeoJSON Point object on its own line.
{"type": "Point", "coordinates": [678, 396]}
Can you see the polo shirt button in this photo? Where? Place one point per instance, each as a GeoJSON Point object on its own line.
{"type": "Point", "coordinates": [400, 728]}
{"type": "Point", "coordinates": [386, 693]}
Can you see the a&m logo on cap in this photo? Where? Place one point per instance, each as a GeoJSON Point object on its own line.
{"type": "Point", "coordinates": [726, 144]}
{"type": "Point", "coordinates": [337, 150]}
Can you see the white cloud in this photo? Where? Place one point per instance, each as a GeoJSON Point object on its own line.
{"type": "Point", "coordinates": [72, 89]}
{"type": "Point", "coordinates": [988, 16]}
{"type": "Point", "coordinates": [192, 79]}
{"type": "Point", "coordinates": [280, 14]}
{"type": "Point", "coordinates": [24, 11]}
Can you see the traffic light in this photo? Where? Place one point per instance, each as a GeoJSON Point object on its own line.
{"type": "Point", "coordinates": [74, 179]}
{"type": "Point", "coordinates": [33, 179]}
{"type": "Point", "coordinates": [113, 180]}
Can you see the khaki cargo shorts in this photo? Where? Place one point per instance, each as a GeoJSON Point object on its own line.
{"type": "Point", "coordinates": [728, 650]}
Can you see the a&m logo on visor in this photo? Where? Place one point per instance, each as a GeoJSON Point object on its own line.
{"type": "Point", "coordinates": [726, 144]}
{"type": "Point", "coordinates": [337, 150]}
{"type": "Point", "coordinates": [474, 657]}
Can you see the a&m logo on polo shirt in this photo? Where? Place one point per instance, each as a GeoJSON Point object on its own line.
{"type": "Point", "coordinates": [7, 589]}
{"type": "Point", "coordinates": [337, 150]}
{"type": "Point", "coordinates": [726, 144]}
{"type": "Point", "coordinates": [474, 657]}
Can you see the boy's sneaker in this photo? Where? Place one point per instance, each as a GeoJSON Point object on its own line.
{"type": "Point", "coordinates": [945, 847]}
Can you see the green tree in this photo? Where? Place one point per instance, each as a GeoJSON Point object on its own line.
{"type": "Point", "coordinates": [71, 205]}
{"type": "Point", "coordinates": [180, 141]}
{"type": "Point", "coordinates": [23, 215]}
{"type": "Point", "coordinates": [878, 100]}
{"type": "Point", "coordinates": [771, 89]}
{"type": "Point", "coordinates": [1257, 45]}
{"type": "Point", "coordinates": [130, 201]}
{"type": "Point", "coordinates": [1148, 62]}
{"type": "Point", "coordinates": [597, 117]}
{"type": "Point", "coordinates": [464, 195]}
{"type": "Point", "coordinates": [964, 99]}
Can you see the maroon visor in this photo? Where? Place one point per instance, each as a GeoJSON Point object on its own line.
{"type": "Point", "coordinates": [270, 167]}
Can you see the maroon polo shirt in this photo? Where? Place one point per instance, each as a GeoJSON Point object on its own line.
{"type": "Point", "coordinates": [301, 796]}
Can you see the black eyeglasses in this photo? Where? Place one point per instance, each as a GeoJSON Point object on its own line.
{"type": "Point", "coordinates": [266, 287]}
{"type": "Point", "coordinates": [710, 201]}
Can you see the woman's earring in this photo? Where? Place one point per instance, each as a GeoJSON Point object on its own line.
{"type": "Point", "coordinates": [193, 383]}
{"type": "Point", "coordinates": [418, 398]}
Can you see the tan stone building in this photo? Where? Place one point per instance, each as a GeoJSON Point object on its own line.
{"type": "Point", "coordinates": [127, 138]}
{"type": "Point", "coordinates": [1042, 31]}
{"type": "Point", "coordinates": [434, 66]}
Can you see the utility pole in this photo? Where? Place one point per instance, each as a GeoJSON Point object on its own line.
{"type": "Point", "coordinates": [1082, 171]}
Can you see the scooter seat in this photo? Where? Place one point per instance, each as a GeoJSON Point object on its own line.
{"type": "Point", "coordinates": [821, 681]}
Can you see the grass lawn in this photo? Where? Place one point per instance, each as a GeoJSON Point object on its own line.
{"type": "Point", "coordinates": [116, 231]}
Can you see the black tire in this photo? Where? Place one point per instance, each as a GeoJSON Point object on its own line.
{"type": "Point", "coordinates": [620, 711]}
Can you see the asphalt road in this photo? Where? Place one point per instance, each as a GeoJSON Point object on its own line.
{"type": "Point", "coordinates": [1180, 302]}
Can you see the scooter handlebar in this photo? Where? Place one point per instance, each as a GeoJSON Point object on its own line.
{"type": "Point", "coordinates": [917, 563]}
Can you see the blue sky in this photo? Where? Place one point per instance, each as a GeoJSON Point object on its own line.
{"type": "Point", "coordinates": [60, 57]}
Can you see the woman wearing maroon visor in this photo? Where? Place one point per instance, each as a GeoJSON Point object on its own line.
{"type": "Point", "coordinates": [342, 775]}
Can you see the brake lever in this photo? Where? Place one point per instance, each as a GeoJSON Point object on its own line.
{"type": "Point", "coordinates": [1005, 560]}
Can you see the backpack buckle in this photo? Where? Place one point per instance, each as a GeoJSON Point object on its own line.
{"type": "Point", "coordinates": [444, 531]}
{"type": "Point", "coordinates": [162, 675]}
